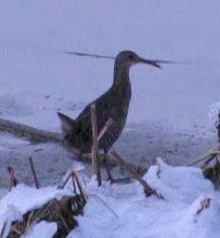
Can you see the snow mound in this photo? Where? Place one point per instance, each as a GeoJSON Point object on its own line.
{"type": "Point", "coordinates": [23, 199]}
{"type": "Point", "coordinates": [123, 211]}
{"type": "Point", "coordinates": [33, 198]}
{"type": "Point", "coordinates": [190, 208]}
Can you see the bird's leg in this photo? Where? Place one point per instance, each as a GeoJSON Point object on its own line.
{"type": "Point", "coordinates": [107, 167]}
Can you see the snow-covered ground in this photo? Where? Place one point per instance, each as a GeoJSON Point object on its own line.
{"type": "Point", "coordinates": [190, 207]}
{"type": "Point", "coordinates": [137, 216]}
{"type": "Point", "coordinates": [23, 199]}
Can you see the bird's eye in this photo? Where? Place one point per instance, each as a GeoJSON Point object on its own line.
{"type": "Point", "coordinates": [131, 57]}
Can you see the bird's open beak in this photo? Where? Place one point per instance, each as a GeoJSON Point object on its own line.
{"type": "Point", "coordinates": [154, 63]}
{"type": "Point", "coordinates": [157, 63]}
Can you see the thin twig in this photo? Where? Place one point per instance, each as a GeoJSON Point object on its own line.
{"type": "Point", "coordinates": [3, 229]}
{"type": "Point", "coordinates": [29, 221]}
{"type": "Point", "coordinates": [82, 193]}
{"type": "Point", "coordinates": [89, 55]}
{"type": "Point", "coordinates": [113, 58]}
{"type": "Point", "coordinates": [95, 157]}
{"type": "Point", "coordinates": [204, 156]}
{"type": "Point", "coordinates": [105, 204]}
{"type": "Point", "coordinates": [74, 184]}
{"type": "Point", "coordinates": [65, 181]}
{"type": "Point", "coordinates": [39, 214]}
{"type": "Point", "coordinates": [205, 164]}
{"type": "Point", "coordinates": [73, 175]}
{"type": "Point", "coordinates": [34, 173]}
{"type": "Point", "coordinates": [205, 203]}
{"type": "Point", "coordinates": [147, 189]}
{"type": "Point", "coordinates": [13, 228]}
{"type": "Point", "coordinates": [105, 128]}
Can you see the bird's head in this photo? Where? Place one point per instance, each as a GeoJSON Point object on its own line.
{"type": "Point", "coordinates": [129, 58]}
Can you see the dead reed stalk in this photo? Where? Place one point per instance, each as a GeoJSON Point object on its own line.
{"type": "Point", "coordinates": [147, 189]}
{"type": "Point", "coordinates": [105, 128]}
{"type": "Point", "coordinates": [95, 155]}
{"type": "Point", "coordinates": [12, 181]}
{"type": "Point", "coordinates": [213, 150]}
{"type": "Point", "coordinates": [34, 173]}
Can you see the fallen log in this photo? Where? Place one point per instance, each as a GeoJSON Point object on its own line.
{"type": "Point", "coordinates": [42, 136]}
{"type": "Point", "coordinates": [29, 132]}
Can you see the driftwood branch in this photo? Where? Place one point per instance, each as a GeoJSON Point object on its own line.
{"type": "Point", "coordinates": [28, 132]}
{"type": "Point", "coordinates": [147, 189]}
{"type": "Point", "coordinates": [33, 134]}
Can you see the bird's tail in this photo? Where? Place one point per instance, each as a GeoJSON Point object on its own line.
{"type": "Point", "coordinates": [68, 125]}
{"type": "Point", "coordinates": [28, 132]}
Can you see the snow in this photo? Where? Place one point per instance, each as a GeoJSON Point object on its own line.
{"type": "Point", "coordinates": [22, 199]}
{"type": "Point", "coordinates": [118, 210]}
{"type": "Point", "coordinates": [45, 229]}
{"type": "Point", "coordinates": [137, 216]}
{"type": "Point", "coordinates": [33, 197]}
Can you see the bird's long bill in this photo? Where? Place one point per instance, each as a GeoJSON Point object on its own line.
{"type": "Point", "coordinates": [156, 63]}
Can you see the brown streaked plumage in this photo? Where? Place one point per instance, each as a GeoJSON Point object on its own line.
{"type": "Point", "coordinates": [114, 104]}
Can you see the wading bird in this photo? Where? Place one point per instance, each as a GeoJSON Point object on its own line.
{"type": "Point", "coordinates": [114, 104]}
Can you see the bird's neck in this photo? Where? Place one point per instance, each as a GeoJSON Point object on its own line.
{"type": "Point", "coordinates": [121, 84]}
{"type": "Point", "coordinates": [121, 74]}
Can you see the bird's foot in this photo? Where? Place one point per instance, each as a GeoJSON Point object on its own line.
{"type": "Point", "coordinates": [109, 177]}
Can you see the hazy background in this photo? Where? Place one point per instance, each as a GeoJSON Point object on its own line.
{"type": "Point", "coordinates": [34, 35]}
